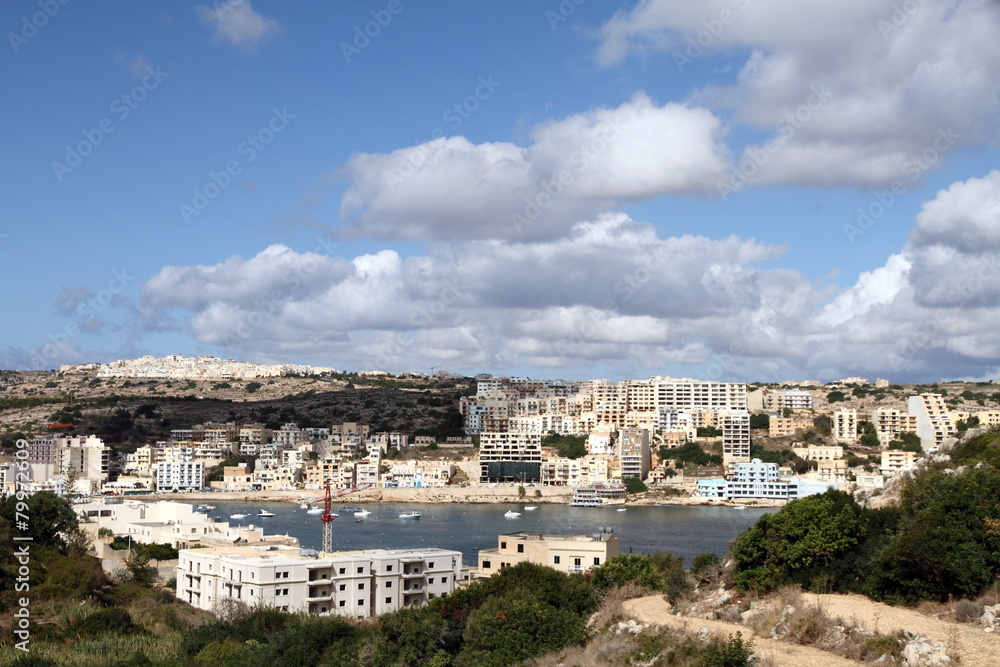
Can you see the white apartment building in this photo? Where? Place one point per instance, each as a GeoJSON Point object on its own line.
{"type": "Point", "coordinates": [419, 474]}
{"type": "Point", "coordinates": [845, 425]}
{"type": "Point", "coordinates": [633, 452]}
{"type": "Point", "coordinates": [891, 423]}
{"type": "Point", "coordinates": [566, 553]}
{"type": "Point", "coordinates": [755, 479]}
{"type": "Point", "coordinates": [178, 475]}
{"type": "Point", "coordinates": [359, 584]}
{"type": "Point", "coordinates": [289, 435]}
{"type": "Point", "coordinates": [933, 422]}
{"type": "Point", "coordinates": [735, 435]}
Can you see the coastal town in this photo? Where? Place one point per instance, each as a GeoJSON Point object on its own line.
{"type": "Point", "coordinates": [588, 443]}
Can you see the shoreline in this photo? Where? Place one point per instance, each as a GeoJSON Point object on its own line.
{"type": "Point", "coordinates": [444, 495]}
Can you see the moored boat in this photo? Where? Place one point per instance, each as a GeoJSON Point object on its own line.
{"type": "Point", "coordinates": [265, 513]}
{"type": "Point", "coordinates": [410, 515]}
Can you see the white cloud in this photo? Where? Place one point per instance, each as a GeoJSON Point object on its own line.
{"type": "Point", "coordinates": [450, 188]}
{"type": "Point", "coordinates": [895, 78]}
{"type": "Point", "coordinates": [237, 24]}
{"type": "Point", "coordinates": [612, 294]}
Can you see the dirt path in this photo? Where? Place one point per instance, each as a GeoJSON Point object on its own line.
{"type": "Point", "coordinates": [655, 609]}
{"type": "Point", "coordinates": [973, 646]}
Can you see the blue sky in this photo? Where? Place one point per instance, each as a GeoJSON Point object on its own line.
{"type": "Point", "coordinates": [544, 189]}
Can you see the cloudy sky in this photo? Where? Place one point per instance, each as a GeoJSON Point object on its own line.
{"type": "Point", "coordinates": [734, 189]}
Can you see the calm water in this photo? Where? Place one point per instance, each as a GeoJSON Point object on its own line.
{"type": "Point", "coordinates": [685, 531]}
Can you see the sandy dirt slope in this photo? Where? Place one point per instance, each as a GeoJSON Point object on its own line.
{"type": "Point", "coordinates": [972, 645]}
{"type": "Point", "coordinates": [655, 609]}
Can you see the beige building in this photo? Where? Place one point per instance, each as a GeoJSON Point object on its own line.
{"type": "Point", "coordinates": [891, 423]}
{"type": "Point", "coordinates": [633, 452]}
{"type": "Point", "coordinates": [793, 399]}
{"type": "Point", "coordinates": [832, 470]}
{"type": "Point", "coordinates": [894, 460]}
{"type": "Point", "coordinates": [820, 452]}
{"type": "Point", "coordinates": [788, 425]}
{"type": "Point", "coordinates": [510, 456]}
{"type": "Point", "coordinates": [735, 436]}
{"type": "Point", "coordinates": [566, 553]}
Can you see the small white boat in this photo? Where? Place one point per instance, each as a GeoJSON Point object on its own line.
{"type": "Point", "coordinates": [316, 510]}
{"type": "Point", "coordinates": [265, 513]}
{"type": "Point", "coordinates": [623, 509]}
{"type": "Point", "coordinates": [530, 508]}
{"type": "Point", "coordinates": [237, 516]}
{"type": "Point", "coordinates": [410, 515]}
{"type": "Point", "coordinates": [511, 514]}
{"type": "Point", "coordinates": [204, 508]}
{"type": "Point", "coordinates": [362, 513]}
{"type": "Point", "coordinates": [741, 507]}
{"type": "Point", "coordinates": [304, 506]}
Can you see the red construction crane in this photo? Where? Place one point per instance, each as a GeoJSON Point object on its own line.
{"type": "Point", "coordinates": [327, 520]}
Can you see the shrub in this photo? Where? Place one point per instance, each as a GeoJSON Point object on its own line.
{"type": "Point", "coordinates": [734, 652]}
{"type": "Point", "coordinates": [703, 562]}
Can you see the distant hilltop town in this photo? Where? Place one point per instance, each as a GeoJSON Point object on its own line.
{"type": "Point", "coordinates": [177, 367]}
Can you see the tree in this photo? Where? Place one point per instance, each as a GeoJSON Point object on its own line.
{"type": "Point", "coordinates": [835, 396]}
{"type": "Point", "coordinates": [634, 485]}
{"type": "Point", "coordinates": [50, 518]}
{"type": "Point", "coordinates": [628, 568]}
{"type": "Point", "coordinates": [521, 492]}
{"type": "Point", "coordinates": [251, 387]}
{"type": "Point", "coordinates": [823, 424]}
{"type": "Point", "coordinates": [760, 420]}
{"type": "Point", "coordinates": [798, 543]}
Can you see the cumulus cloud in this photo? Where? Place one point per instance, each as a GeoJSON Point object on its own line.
{"type": "Point", "coordinates": [893, 79]}
{"type": "Point", "coordinates": [237, 24]}
{"type": "Point", "coordinates": [450, 188]}
{"type": "Point", "coordinates": [611, 293]}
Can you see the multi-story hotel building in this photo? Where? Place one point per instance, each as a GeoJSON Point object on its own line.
{"type": "Point", "coordinates": [359, 584]}
{"type": "Point", "coordinates": [933, 422]}
{"type": "Point", "coordinates": [891, 423]}
{"type": "Point", "coordinates": [735, 436]}
{"type": "Point", "coordinates": [506, 456]}
{"type": "Point", "coordinates": [845, 425]}
{"type": "Point", "coordinates": [633, 452]}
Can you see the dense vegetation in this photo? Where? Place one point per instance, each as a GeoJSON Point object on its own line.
{"type": "Point", "coordinates": [942, 541]}
{"type": "Point", "coordinates": [570, 446]}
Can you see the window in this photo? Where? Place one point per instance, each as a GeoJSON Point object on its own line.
{"type": "Point", "coordinates": [388, 600]}
{"type": "Point", "coordinates": [503, 545]}
{"type": "Point", "coordinates": [388, 584]}
{"type": "Point", "coordinates": [361, 570]}
{"type": "Point", "coordinates": [342, 603]}
{"type": "Point", "coordinates": [486, 565]}
{"type": "Point", "coordinates": [576, 562]}
{"type": "Point", "coordinates": [388, 568]}
{"type": "Point", "coordinates": [361, 587]}
{"type": "Point", "coordinates": [361, 603]}
{"type": "Point", "coordinates": [430, 564]}
{"type": "Point", "coordinates": [444, 580]}
{"type": "Point", "coordinates": [343, 587]}
{"type": "Point", "coordinates": [343, 570]}
{"type": "Point", "coordinates": [555, 559]}
{"type": "Point", "coordinates": [597, 560]}
{"type": "Point", "coordinates": [520, 548]}
{"type": "Point", "coordinates": [431, 580]}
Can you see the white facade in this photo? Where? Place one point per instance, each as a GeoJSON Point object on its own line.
{"type": "Point", "coordinates": [180, 475]}
{"type": "Point", "coordinates": [845, 425]}
{"type": "Point", "coordinates": [359, 584]}
{"type": "Point", "coordinates": [735, 436]}
{"type": "Point", "coordinates": [933, 422]}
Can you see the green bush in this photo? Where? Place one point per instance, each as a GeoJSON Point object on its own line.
{"type": "Point", "coordinates": [734, 652]}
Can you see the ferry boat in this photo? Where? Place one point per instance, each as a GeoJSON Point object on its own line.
{"type": "Point", "coordinates": [410, 515]}
{"type": "Point", "coordinates": [588, 501]}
